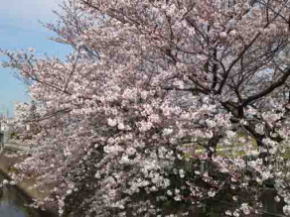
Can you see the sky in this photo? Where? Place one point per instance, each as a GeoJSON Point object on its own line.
{"type": "Point", "coordinates": [21, 28]}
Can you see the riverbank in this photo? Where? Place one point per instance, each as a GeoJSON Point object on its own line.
{"type": "Point", "coordinates": [7, 165]}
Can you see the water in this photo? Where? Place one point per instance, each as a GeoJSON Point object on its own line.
{"type": "Point", "coordinates": [13, 203]}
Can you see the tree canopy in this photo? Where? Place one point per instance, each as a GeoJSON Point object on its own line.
{"type": "Point", "coordinates": [140, 118]}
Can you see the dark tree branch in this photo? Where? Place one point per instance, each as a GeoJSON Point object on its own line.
{"type": "Point", "coordinates": [268, 90]}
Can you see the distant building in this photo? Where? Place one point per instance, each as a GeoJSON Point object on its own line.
{"type": "Point", "coordinates": [5, 129]}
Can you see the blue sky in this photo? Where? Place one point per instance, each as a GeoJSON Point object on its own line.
{"type": "Point", "coordinates": [20, 28]}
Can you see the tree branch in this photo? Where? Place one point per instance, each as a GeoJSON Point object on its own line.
{"type": "Point", "coordinates": [268, 90]}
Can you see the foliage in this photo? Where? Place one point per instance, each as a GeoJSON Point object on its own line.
{"type": "Point", "coordinates": [149, 83]}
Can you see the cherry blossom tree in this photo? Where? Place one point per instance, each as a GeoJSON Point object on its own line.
{"type": "Point", "coordinates": [163, 107]}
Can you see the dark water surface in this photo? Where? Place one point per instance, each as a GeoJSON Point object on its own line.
{"type": "Point", "coordinates": [14, 202]}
